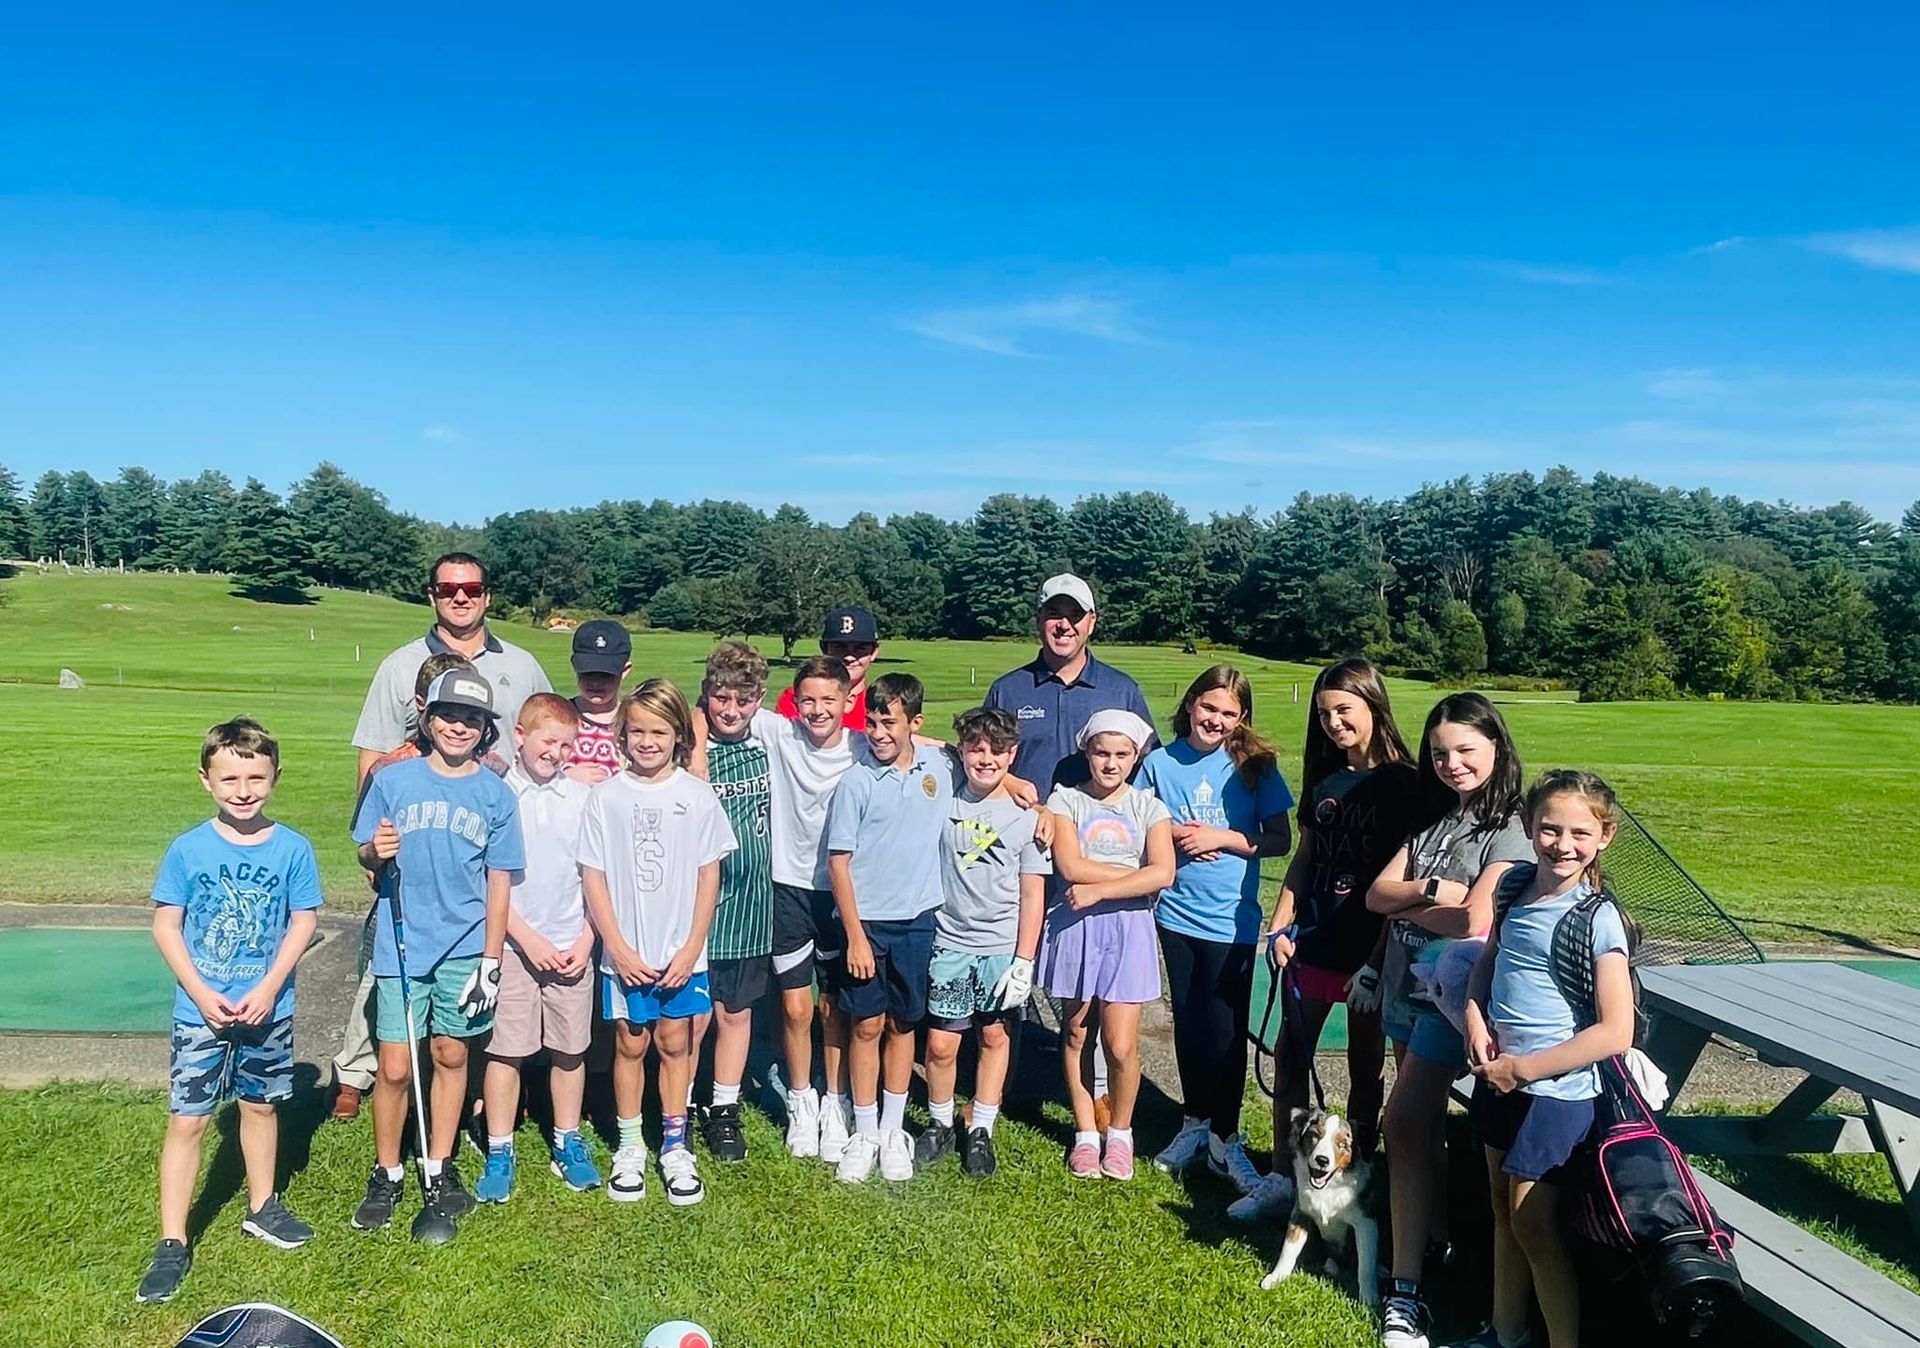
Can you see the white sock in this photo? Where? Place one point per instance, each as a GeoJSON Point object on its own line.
{"type": "Point", "coordinates": [1099, 1069]}
{"type": "Point", "coordinates": [893, 1111]}
{"type": "Point", "coordinates": [1120, 1135]}
{"type": "Point", "coordinates": [942, 1111]}
{"type": "Point", "coordinates": [841, 1101]}
{"type": "Point", "coordinates": [432, 1167]}
{"type": "Point", "coordinates": [394, 1172]}
{"type": "Point", "coordinates": [1086, 1139]}
{"type": "Point", "coordinates": [560, 1135]}
{"type": "Point", "coordinates": [496, 1143]}
{"type": "Point", "coordinates": [866, 1120]}
{"type": "Point", "coordinates": [984, 1115]}
{"type": "Point", "coordinates": [726, 1095]}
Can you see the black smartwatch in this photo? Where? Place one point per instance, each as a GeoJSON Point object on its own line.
{"type": "Point", "coordinates": [1432, 892]}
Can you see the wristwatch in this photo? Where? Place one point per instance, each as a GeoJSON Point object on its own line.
{"type": "Point", "coordinates": [1432, 891]}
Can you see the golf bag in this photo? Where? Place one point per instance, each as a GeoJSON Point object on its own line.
{"type": "Point", "coordinates": [257, 1325]}
{"type": "Point", "coordinates": [1636, 1194]}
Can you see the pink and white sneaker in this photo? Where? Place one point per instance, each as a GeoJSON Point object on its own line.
{"type": "Point", "coordinates": [1118, 1162]}
{"type": "Point", "coordinates": [1084, 1161]}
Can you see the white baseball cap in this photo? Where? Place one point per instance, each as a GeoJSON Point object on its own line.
{"type": "Point", "coordinates": [1066, 586]}
{"type": "Point", "coordinates": [1115, 721]}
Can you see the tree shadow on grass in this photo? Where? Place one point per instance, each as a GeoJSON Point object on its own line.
{"type": "Point", "coordinates": [1844, 938]}
{"type": "Point", "coordinates": [273, 594]}
{"type": "Point", "coordinates": [225, 1175]}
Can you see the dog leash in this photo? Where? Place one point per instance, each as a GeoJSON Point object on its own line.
{"type": "Point", "coordinates": [1293, 1023]}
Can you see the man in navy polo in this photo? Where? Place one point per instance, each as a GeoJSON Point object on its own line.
{"type": "Point", "coordinates": [1053, 695]}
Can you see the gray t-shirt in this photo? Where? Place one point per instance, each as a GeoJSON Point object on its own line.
{"type": "Point", "coordinates": [988, 846]}
{"type": "Point", "coordinates": [388, 718]}
{"type": "Point", "coordinates": [1113, 831]}
{"type": "Point", "coordinates": [1457, 848]}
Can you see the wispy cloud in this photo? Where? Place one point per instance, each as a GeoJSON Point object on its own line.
{"type": "Point", "coordinates": [442, 434]}
{"type": "Point", "coordinates": [1006, 329]}
{"type": "Point", "coordinates": [1694, 383]}
{"type": "Point", "coordinates": [1881, 249]}
{"type": "Point", "coordinates": [1549, 275]}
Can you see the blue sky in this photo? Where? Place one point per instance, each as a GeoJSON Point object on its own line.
{"type": "Point", "coordinates": [900, 257]}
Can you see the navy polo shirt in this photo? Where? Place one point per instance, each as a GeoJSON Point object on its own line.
{"type": "Point", "coordinates": [1051, 714]}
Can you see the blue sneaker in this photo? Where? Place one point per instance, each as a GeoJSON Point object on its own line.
{"type": "Point", "coordinates": [496, 1181]}
{"type": "Point", "coordinates": [572, 1163]}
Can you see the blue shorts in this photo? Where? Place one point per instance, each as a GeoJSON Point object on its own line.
{"type": "Point", "coordinates": [1432, 1037]}
{"type": "Point", "coordinates": [241, 1062]}
{"type": "Point", "coordinates": [644, 1005]}
{"type": "Point", "coordinates": [1538, 1133]}
{"type": "Point", "coordinates": [902, 958]}
{"type": "Point", "coordinates": [436, 1004]}
{"type": "Point", "coordinates": [961, 992]}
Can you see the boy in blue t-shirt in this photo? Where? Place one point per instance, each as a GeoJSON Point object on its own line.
{"type": "Point", "coordinates": [454, 829]}
{"type": "Point", "coordinates": [234, 907]}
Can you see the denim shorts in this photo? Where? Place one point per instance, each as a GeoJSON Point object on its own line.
{"type": "Point", "coordinates": [241, 1062]}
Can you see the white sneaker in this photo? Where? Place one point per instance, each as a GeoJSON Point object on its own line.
{"type": "Point", "coordinates": [836, 1126]}
{"type": "Point", "coordinates": [682, 1176]}
{"type": "Point", "coordinates": [627, 1181]}
{"type": "Point", "coordinates": [857, 1158]}
{"type": "Point", "coordinates": [803, 1124]}
{"type": "Point", "coordinates": [1232, 1163]}
{"type": "Point", "coordinates": [1272, 1195]}
{"type": "Point", "coordinates": [896, 1155]}
{"type": "Point", "coordinates": [1184, 1150]}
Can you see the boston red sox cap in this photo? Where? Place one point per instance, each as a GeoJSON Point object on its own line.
{"type": "Point", "coordinates": [850, 622]}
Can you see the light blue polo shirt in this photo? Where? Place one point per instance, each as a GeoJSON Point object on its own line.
{"type": "Point", "coordinates": [893, 822]}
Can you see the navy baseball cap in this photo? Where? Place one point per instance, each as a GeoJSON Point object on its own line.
{"type": "Point", "coordinates": [850, 622]}
{"type": "Point", "coordinates": [601, 647]}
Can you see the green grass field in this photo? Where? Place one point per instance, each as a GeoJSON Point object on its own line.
{"type": "Point", "coordinates": [1796, 817]}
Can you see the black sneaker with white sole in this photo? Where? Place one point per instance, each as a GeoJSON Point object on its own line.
{"type": "Point", "coordinates": [726, 1140]}
{"type": "Point", "coordinates": [976, 1154]}
{"type": "Point", "coordinates": [1404, 1321]}
{"type": "Point", "coordinates": [272, 1223]}
{"type": "Point", "coordinates": [171, 1260]}
{"type": "Point", "coordinates": [447, 1194]}
{"type": "Point", "coordinates": [932, 1146]}
{"type": "Point", "coordinates": [376, 1209]}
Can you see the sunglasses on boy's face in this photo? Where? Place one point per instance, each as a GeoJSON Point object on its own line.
{"type": "Point", "coordinates": [454, 589]}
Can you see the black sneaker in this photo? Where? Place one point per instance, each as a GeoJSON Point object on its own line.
{"type": "Point", "coordinates": [932, 1146]}
{"type": "Point", "coordinates": [1404, 1321]}
{"type": "Point", "coordinates": [976, 1154]}
{"type": "Point", "coordinates": [726, 1140]}
{"type": "Point", "coordinates": [171, 1260]}
{"type": "Point", "coordinates": [447, 1194]}
{"type": "Point", "coordinates": [376, 1209]}
{"type": "Point", "coordinates": [272, 1223]}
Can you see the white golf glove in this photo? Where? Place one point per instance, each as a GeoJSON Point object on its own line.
{"type": "Point", "coordinates": [1363, 992]}
{"type": "Point", "coordinates": [482, 989]}
{"type": "Point", "coordinates": [1015, 985]}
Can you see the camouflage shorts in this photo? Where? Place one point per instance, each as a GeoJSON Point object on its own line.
{"type": "Point", "coordinates": [247, 1062]}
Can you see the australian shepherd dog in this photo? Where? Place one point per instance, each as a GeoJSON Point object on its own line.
{"type": "Point", "coordinates": [1330, 1183]}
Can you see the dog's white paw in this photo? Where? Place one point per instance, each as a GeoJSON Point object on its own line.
{"type": "Point", "coordinates": [1274, 1279]}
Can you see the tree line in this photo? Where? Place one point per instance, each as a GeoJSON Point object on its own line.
{"type": "Point", "coordinates": [1622, 588]}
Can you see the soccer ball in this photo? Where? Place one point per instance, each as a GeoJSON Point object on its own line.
{"type": "Point", "coordinates": [678, 1334]}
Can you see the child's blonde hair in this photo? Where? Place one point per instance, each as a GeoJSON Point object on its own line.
{"type": "Point", "coordinates": [661, 698]}
{"type": "Point", "coordinates": [1592, 791]}
{"type": "Point", "coordinates": [542, 708]}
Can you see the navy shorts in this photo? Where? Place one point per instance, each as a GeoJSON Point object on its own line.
{"type": "Point", "coordinates": [1538, 1133]}
{"type": "Point", "coordinates": [245, 1062]}
{"type": "Point", "coordinates": [902, 964]}
{"type": "Point", "coordinates": [807, 939]}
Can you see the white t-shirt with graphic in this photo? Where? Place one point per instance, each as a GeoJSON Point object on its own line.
{"type": "Point", "coordinates": [650, 840]}
{"type": "Point", "coordinates": [803, 779]}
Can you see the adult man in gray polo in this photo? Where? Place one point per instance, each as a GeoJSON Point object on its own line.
{"type": "Point", "coordinates": [457, 590]}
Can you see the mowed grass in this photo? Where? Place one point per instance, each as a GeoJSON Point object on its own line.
{"type": "Point", "coordinates": [1796, 817]}
{"type": "Point", "coordinates": [779, 1254]}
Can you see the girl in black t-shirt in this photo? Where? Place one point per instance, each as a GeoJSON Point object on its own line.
{"type": "Point", "coordinates": [1360, 800]}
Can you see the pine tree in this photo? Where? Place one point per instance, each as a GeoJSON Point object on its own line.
{"type": "Point", "coordinates": [265, 554]}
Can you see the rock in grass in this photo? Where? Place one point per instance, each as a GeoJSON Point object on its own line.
{"type": "Point", "coordinates": [69, 679]}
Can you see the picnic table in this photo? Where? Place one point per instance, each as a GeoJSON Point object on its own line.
{"type": "Point", "coordinates": [1845, 1030]}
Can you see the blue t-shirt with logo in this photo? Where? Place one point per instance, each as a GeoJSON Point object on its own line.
{"type": "Point", "coordinates": [1216, 900]}
{"type": "Point", "coordinates": [453, 830]}
{"type": "Point", "coordinates": [238, 900]}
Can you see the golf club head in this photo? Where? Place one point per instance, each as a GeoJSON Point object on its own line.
{"type": "Point", "coordinates": [433, 1228]}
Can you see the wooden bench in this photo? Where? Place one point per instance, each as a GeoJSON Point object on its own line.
{"type": "Point", "coordinates": [1820, 1294]}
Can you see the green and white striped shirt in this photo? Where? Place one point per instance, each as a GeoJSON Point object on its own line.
{"type": "Point", "coordinates": [743, 919]}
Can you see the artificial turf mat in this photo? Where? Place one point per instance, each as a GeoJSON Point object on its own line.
{"type": "Point", "coordinates": [83, 980]}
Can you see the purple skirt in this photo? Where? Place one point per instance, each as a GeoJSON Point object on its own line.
{"type": "Point", "coordinates": [1111, 955]}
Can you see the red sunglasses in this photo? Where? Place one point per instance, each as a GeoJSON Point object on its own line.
{"type": "Point", "coordinates": [453, 589]}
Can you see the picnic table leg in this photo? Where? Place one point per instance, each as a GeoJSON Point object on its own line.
{"type": "Point", "coordinates": [1801, 1103]}
{"type": "Point", "coordinates": [1675, 1044]}
{"type": "Point", "coordinates": [1897, 1134]}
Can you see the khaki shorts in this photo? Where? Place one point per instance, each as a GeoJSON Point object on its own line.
{"type": "Point", "coordinates": [540, 1010]}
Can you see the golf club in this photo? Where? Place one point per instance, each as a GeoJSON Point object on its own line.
{"type": "Point", "coordinates": [431, 1227]}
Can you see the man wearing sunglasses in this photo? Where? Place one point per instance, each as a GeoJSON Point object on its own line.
{"type": "Point", "coordinates": [457, 589]}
